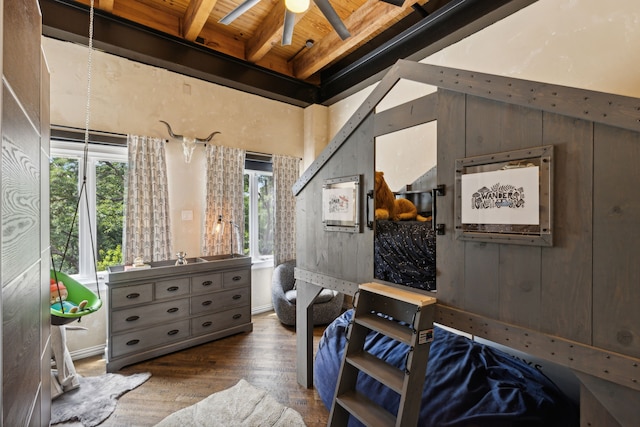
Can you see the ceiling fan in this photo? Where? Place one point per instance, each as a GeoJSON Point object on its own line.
{"type": "Point", "coordinates": [289, 17]}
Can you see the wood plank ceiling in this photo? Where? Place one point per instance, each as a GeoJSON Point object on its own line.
{"type": "Point", "coordinates": [256, 35]}
{"type": "Point", "coordinates": [316, 53]}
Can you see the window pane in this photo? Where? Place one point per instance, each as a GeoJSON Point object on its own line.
{"type": "Point", "coordinates": [265, 214]}
{"type": "Point", "coordinates": [63, 201]}
{"type": "Point", "coordinates": [110, 179]}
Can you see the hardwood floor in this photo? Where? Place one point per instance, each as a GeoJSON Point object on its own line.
{"type": "Point", "coordinates": [264, 357]}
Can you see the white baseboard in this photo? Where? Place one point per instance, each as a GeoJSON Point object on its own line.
{"type": "Point", "coordinates": [88, 352]}
{"type": "Point", "coordinates": [261, 309]}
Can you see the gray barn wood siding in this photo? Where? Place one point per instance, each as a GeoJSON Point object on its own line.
{"type": "Point", "coordinates": [574, 303]}
{"type": "Point", "coordinates": [344, 255]}
{"type": "Point", "coordinates": [24, 250]}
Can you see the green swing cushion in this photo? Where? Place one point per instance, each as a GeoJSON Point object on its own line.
{"type": "Point", "coordinates": [77, 292]}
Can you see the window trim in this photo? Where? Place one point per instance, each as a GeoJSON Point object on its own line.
{"type": "Point", "coordinates": [266, 260]}
{"type": "Point", "coordinates": [87, 223]}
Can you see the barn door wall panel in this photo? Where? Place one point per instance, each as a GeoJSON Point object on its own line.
{"type": "Point", "coordinates": [592, 413]}
{"type": "Point", "coordinates": [616, 240]}
{"type": "Point", "coordinates": [22, 29]}
{"type": "Point", "coordinates": [509, 274]}
{"type": "Point", "coordinates": [481, 288]}
{"type": "Point", "coordinates": [450, 258]}
{"type": "Point", "coordinates": [566, 299]}
{"type": "Point", "coordinates": [24, 296]}
{"type": "Point", "coordinates": [344, 255]}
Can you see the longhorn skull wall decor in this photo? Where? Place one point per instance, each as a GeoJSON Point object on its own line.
{"type": "Point", "coordinates": [188, 143]}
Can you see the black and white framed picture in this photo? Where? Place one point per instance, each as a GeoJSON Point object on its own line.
{"type": "Point", "coordinates": [506, 197]}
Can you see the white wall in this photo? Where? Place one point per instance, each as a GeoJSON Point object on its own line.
{"type": "Point", "coordinates": [129, 97]}
{"type": "Point", "coordinates": [581, 43]}
{"type": "Point", "coordinates": [586, 44]}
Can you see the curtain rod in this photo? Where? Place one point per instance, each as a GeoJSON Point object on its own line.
{"type": "Point", "coordinates": [92, 131]}
{"type": "Point", "coordinates": [68, 133]}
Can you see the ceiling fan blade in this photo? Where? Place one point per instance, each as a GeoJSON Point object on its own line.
{"type": "Point", "coordinates": [289, 24]}
{"type": "Point", "coordinates": [242, 8]}
{"type": "Point", "coordinates": [329, 12]}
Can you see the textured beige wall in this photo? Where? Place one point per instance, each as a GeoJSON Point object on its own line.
{"type": "Point", "coordinates": [579, 43]}
{"type": "Point", "coordinates": [587, 44]}
{"type": "Point", "coordinates": [129, 97]}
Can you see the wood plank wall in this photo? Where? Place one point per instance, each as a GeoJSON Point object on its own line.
{"type": "Point", "coordinates": [25, 292]}
{"type": "Point", "coordinates": [574, 303]}
{"type": "Point", "coordinates": [344, 255]}
{"type": "Point", "coordinates": [546, 289]}
{"type": "Point", "coordinates": [616, 240]}
{"type": "Point", "coordinates": [583, 286]}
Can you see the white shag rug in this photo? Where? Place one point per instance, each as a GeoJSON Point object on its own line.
{"type": "Point", "coordinates": [241, 405]}
{"type": "Point", "coordinates": [95, 399]}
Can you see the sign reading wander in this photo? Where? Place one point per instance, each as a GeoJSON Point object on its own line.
{"type": "Point", "coordinates": [509, 196]}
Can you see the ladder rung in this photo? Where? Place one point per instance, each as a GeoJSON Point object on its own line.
{"type": "Point", "coordinates": [407, 296]}
{"type": "Point", "coordinates": [365, 410]}
{"type": "Point", "coordinates": [383, 372]}
{"type": "Point", "coordinates": [390, 328]}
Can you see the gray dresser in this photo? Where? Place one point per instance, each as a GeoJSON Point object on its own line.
{"type": "Point", "coordinates": [166, 308]}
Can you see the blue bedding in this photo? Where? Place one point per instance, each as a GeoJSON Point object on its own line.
{"type": "Point", "coordinates": [467, 384]}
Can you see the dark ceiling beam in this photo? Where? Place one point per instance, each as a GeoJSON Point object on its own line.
{"type": "Point", "coordinates": [70, 22]}
{"type": "Point", "coordinates": [414, 38]}
{"type": "Point", "coordinates": [442, 27]}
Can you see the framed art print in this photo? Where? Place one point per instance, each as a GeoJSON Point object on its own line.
{"type": "Point", "coordinates": [506, 197]}
{"type": "Point", "coordinates": [341, 204]}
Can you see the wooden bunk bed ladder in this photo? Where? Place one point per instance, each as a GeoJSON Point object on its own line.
{"type": "Point", "coordinates": [401, 315]}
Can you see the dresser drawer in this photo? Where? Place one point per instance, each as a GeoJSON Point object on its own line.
{"type": "Point", "coordinates": [219, 321]}
{"type": "Point", "coordinates": [232, 279]}
{"type": "Point", "coordinates": [130, 295]}
{"type": "Point", "coordinates": [172, 288]}
{"type": "Point", "coordinates": [136, 341]}
{"type": "Point", "coordinates": [148, 315]}
{"type": "Point", "coordinates": [220, 300]}
{"type": "Point", "coordinates": [206, 283]}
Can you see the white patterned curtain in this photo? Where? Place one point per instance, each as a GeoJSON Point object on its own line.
{"type": "Point", "coordinates": [225, 196]}
{"type": "Point", "coordinates": [147, 221]}
{"type": "Point", "coordinates": [286, 171]}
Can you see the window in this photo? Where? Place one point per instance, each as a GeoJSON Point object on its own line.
{"type": "Point", "coordinates": [258, 214]}
{"type": "Point", "coordinates": [106, 168]}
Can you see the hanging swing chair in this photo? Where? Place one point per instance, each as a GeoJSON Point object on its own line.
{"type": "Point", "coordinates": [70, 299]}
{"type": "Point", "coordinates": [63, 312]}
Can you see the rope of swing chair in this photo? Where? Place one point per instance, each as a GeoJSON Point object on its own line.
{"type": "Point", "coordinates": [84, 169]}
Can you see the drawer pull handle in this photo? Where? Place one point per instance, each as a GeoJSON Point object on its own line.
{"type": "Point", "coordinates": [237, 296]}
{"type": "Point", "coordinates": [133, 295]}
{"type": "Point", "coordinates": [133, 342]}
{"type": "Point", "coordinates": [236, 278]}
{"type": "Point", "coordinates": [208, 302]}
{"type": "Point", "coordinates": [173, 289]}
{"type": "Point", "coordinates": [237, 316]}
{"type": "Point", "coordinates": [132, 318]}
{"type": "Point", "coordinates": [207, 324]}
{"type": "Point", "coordinates": [173, 332]}
{"type": "Point", "coordinates": [172, 310]}
{"type": "Point", "coordinates": [207, 283]}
